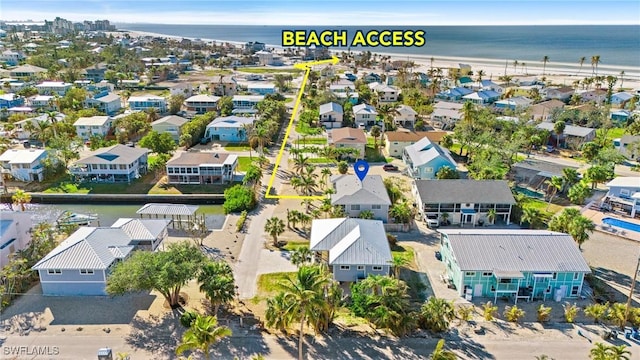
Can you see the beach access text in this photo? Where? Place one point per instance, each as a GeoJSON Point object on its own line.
{"type": "Point", "coordinates": [339, 38]}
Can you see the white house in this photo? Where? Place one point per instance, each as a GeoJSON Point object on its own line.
{"type": "Point", "coordinates": [201, 168]}
{"type": "Point", "coordinates": [24, 164]}
{"type": "Point", "coordinates": [331, 115]}
{"type": "Point", "coordinates": [364, 115]}
{"type": "Point", "coordinates": [202, 103]}
{"type": "Point", "coordinates": [53, 87]}
{"type": "Point", "coordinates": [386, 93]}
{"type": "Point", "coordinates": [406, 116]}
{"type": "Point", "coordinates": [118, 163]}
{"type": "Point", "coordinates": [145, 102]}
{"type": "Point", "coordinates": [107, 103]}
{"type": "Point", "coordinates": [15, 233]}
{"type": "Point", "coordinates": [44, 102]}
{"type": "Point", "coordinates": [356, 196]}
{"type": "Point", "coordinates": [95, 125]}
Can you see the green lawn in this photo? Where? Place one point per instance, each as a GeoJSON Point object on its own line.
{"type": "Point", "coordinates": [615, 133]}
{"type": "Point", "coordinates": [65, 185]}
{"type": "Point", "coordinates": [176, 189]}
{"type": "Point", "coordinates": [405, 252]}
{"type": "Point", "coordinates": [455, 148]}
{"type": "Point", "coordinates": [237, 147]}
{"type": "Point", "coordinates": [346, 318]}
{"type": "Point", "coordinates": [243, 163]}
{"type": "Point", "coordinates": [261, 70]}
{"type": "Point", "coordinates": [214, 72]}
{"type": "Point", "coordinates": [293, 245]}
{"type": "Point", "coordinates": [303, 128]}
{"type": "Point", "coordinates": [311, 141]}
{"type": "Point", "coordinates": [373, 155]}
{"type": "Point", "coordinates": [268, 283]}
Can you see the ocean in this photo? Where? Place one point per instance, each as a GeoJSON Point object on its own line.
{"type": "Point", "coordinates": [616, 44]}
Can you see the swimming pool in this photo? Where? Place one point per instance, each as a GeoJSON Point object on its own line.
{"type": "Point", "coordinates": [529, 192]}
{"type": "Point", "coordinates": [621, 224]}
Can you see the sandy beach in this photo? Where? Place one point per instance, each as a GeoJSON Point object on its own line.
{"type": "Point", "coordinates": [563, 74]}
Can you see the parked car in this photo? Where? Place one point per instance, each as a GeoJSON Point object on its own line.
{"type": "Point", "coordinates": [389, 167]}
{"type": "Point", "coordinates": [432, 223]}
{"type": "Point", "coordinates": [205, 140]}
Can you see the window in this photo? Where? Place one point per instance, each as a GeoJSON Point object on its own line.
{"type": "Point", "coordinates": [377, 268]}
{"type": "Point", "coordinates": [555, 276]}
{"type": "Point", "coordinates": [487, 274]}
{"type": "Point", "coordinates": [470, 274]}
{"type": "Point", "coordinates": [428, 169]}
{"type": "Point", "coordinates": [86, 271]}
{"type": "Point", "coordinates": [345, 267]}
{"type": "Point", "coordinates": [355, 207]}
{"type": "Point", "coordinates": [376, 207]}
{"type": "Point", "coordinates": [574, 290]}
{"type": "Point", "coordinates": [624, 192]}
{"type": "Point", "coordinates": [103, 166]}
{"type": "Point", "coordinates": [54, 271]}
{"type": "Point", "coordinates": [576, 276]}
{"type": "Point", "coordinates": [505, 281]}
{"type": "Point", "coordinates": [360, 267]}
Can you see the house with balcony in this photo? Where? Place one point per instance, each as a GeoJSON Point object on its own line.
{"type": "Point", "coordinates": [114, 164]}
{"type": "Point", "coordinates": [180, 88]}
{"type": "Point", "coordinates": [11, 100]}
{"type": "Point", "coordinates": [223, 85]}
{"type": "Point", "coordinates": [53, 88]}
{"type": "Point", "coordinates": [515, 103]}
{"type": "Point", "coordinates": [246, 103]}
{"type": "Point", "coordinates": [171, 124]}
{"type": "Point", "coordinates": [20, 128]}
{"type": "Point", "coordinates": [229, 128]}
{"type": "Point", "coordinates": [202, 103]}
{"type": "Point", "coordinates": [424, 159]}
{"type": "Point", "coordinates": [623, 196]}
{"type": "Point", "coordinates": [356, 196]}
{"type": "Point", "coordinates": [563, 93]}
{"type": "Point", "coordinates": [105, 102]}
{"type": "Point", "coordinates": [405, 117]}
{"type": "Point", "coordinates": [385, 93]}
{"type": "Point", "coordinates": [348, 138]}
{"type": "Point", "coordinates": [43, 102]}
{"type": "Point", "coordinates": [352, 248]}
{"type": "Point", "coordinates": [261, 88]}
{"type": "Point", "coordinates": [94, 73]}
{"type": "Point", "coordinates": [396, 141]}
{"type": "Point", "coordinates": [82, 263]}
{"type": "Point", "coordinates": [572, 136]}
{"type": "Point", "coordinates": [201, 168]}
{"type": "Point", "coordinates": [466, 202]}
{"type": "Point", "coordinates": [365, 115]}
{"type": "Point", "coordinates": [146, 102]}
{"type": "Point", "coordinates": [24, 164]}
{"type": "Point", "coordinates": [11, 57]}
{"type": "Point", "coordinates": [371, 78]}
{"type": "Point", "coordinates": [86, 127]}
{"type": "Point", "coordinates": [513, 264]}
{"type": "Point", "coordinates": [15, 233]}
{"type": "Point", "coordinates": [331, 115]}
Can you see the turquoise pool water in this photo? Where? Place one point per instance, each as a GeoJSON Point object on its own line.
{"type": "Point", "coordinates": [621, 224]}
{"type": "Point", "coordinates": [529, 192]}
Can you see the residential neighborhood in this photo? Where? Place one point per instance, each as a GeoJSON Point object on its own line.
{"type": "Point", "coordinates": [364, 205]}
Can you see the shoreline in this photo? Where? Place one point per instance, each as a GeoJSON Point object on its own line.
{"type": "Point", "coordinates": [565, 73]}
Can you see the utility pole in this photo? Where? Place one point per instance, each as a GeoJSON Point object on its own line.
{"type": "Point", "coordinates": [633, 284]}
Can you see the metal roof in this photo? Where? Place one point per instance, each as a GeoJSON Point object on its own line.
{"type": "Point", "coordinates": [424, 151]}
{"type": "Point", "coordinates": [464, 191]}
{"type": "Point", "coordinates": [142, 229]}
{"type": "Point", "coordinates": [116, 154]}
{"type": "Point", "coordinates": [172, 120]}
{"type": "Point", "coordinates": [569, 130]}
{"type": "Point", "coordinates": [350, 190]}
{"type": "Point", "coordinates": [167, 209]}
{"type": "Point", "coordinates": [515, 250]}
{"type": "Point", "coordinates": [22, 156]}
{"type": "Point", "coordinates": [330, 107]}
{"type": "Point", "coordinates": [351, 241]}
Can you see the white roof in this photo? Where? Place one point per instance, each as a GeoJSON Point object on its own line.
{"type": "Point", "coordinates": [231, 121]}
{"type": "Point", "coordinates": [145, 98]}
{"type": "Point", "coordinates": [53, 84]}
{"type": "Point", "coordinates": [631, 181]}
{"type": "Point", "coordinates": [248, 97]}
{"type": "Point", "coordinates": [203, 98]}
{"type": "Point", "coordinates": [424, 151]}
{"type": "Point", "coordinates": [92, 121]}
{"type": "Point", "coordinates": [44, 98]}
{"type": "Point", "coordinates": [21, 156]}
{"type": "Point", "coordinates": [364, 109]}
{"type": "Point", "coordinates": [406, 110]}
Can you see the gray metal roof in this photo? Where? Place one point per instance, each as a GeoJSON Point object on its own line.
{"type": "Point", "coordinates": [464, 191]}
{"type": "Point", "coordinates": [172, 120]}
{"type": "Point", "coordinates": [569, 130]}
{"type": "Point", "coordinates": [142, 229]}
{"type": "Point", "coordinates": [515, 250]}
{"type": "Point", "coordinates": [167, 209]}
{"type": "Point", "coordinates": [88, 248]}
{"type": "Point", "coordinates": [540, 165]}
{"type": "Point", "coordinates": [350, 190]}
{"type": "Point", "coordinates": [351, 241]}
{"type": "Point", "coordinates": [424, 151]}
{"type": "Point", "coordinates": [330, 107]}
{"type": "Point", "coordinates": [116, 154]}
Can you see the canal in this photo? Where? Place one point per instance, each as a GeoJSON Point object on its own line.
{"type": "Point", "coordinates": [108, 214]}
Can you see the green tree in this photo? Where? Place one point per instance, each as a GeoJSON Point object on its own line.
{"type": "Point", "coordinates": [366, 214]}
{"type": "Point", "coordinates": [225, 105]}
{"type": "Point", "coordinates": [175, 103]}
{"type": "Point", "coordinates": [159, 143]}
{"type": "Point", "coordinates": [554, 185]}
{"type": "Point", "coordinates": [602, 351]}
{"type": "Point", "coordinates": [578, 193]}
{"type": "Point", "coordinates": [489, 311]}
{"type": "Point", "coordinates": [545, 60]}
{"type": "Point", "coordinates": [447, 172]}
{"type": "Point", "coordinates": [253, 175]}
{"type": "Point", "coordinates": [238, 198]}
{"type": "Point", "coordinates": [590, 150]}
{"type": "Point", "coordinates": [217, 283]}
{"type": "Point", "coordinates": [436, 314]}
{"type": "Point", "coordinates": [558, 129]}
{"type": "Point", "coordinates": [402, 213]}
{"type": "Point", "coordinates": [570, 312]}
{"type": "Point", "coordinates": [597, 174]}
{"type": "Point", "coordinates": [440, 353]}
{"type": "Point", "coordinates": [570, 221]}
{"type": "Point", "coordinates": [513, 313]}
{"type": "Point", "coordinates": [617, 314]}
{"type": "Point", "coordinates": [21, 198]}
{"type": "Point", "coordinates": [274, 227]}
{"type": "Point", "coordinates": [301, 256]}
{"type": "Point", "coordinates": [203, 333]}
{"type": "Point", "coordinates": [343, 167]}
{"type": "Point", "coordinates": [397, 263]}
{"type": "Point", "coordinates": [162, 271]}
{"type": "Point", "coordinates": [375, 133]}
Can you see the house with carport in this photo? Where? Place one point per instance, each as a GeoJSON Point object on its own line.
{"type": "Point", "coordinates": [353, 248]}
{"type": "Point", "coordinates": [623, 196]}
{"type": "Point", "coordinates": [513, 264]}
{"type": "Point", "coordinates": [331, 115]}
{"type": "Point", "coordinates": [231, 129]}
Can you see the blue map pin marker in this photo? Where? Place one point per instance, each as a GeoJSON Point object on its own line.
{"type": "Point", "coordinates": [361, 168]}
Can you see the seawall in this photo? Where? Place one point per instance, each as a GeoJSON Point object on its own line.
{"type": "Point", "coordinates": [56, 198]}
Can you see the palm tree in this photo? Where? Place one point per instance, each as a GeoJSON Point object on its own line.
{"type": "Point", "coordinates": [301, 256]}
{"type": "Point", "coordinates": [515, 65]}
{"type": "Point", "coordinates": [203, 333]}
{"type": "Point", "coordinates": [326, 174]}
{"type": "Point", "coordinates": [440, 353]}
{"type": "Point", "coordinates": [570, 177]}
{"type": "Point", "coordinates": [531, 216]}
{"type": "Point", "coordinates": [375, 132]}
{"type": "Point", "coordinates": [274, 227]}
{"type": "Point", "coordinates": [444, 218]}
{"type": "Point", "coordinates": [621, 78]}
{"type": "Point", "coordinates": [21, 198]}
{"type": "Point", "coordinates": [152, 114]}
{"type": "Point", "coordinates": [558, 129]}
{"type": "Point", "coordinates": [492, 215]}
{"type": "Point", "coordinates": [580, 228]}
{"type": "Point", "coordinates": [554, 185]}
{"type": "Point", "coordinates": [545, 60]}
{"type": "Point", "coordinates": [595, 60]}
{"type": "Point", "coordinates": [437, 313]}
{"type": "Point", "coordinates": [619, 352]}
{"type": "Point", "coordinates": [582, 60]}
{"type": "Point", "coordinates": [397, 263]}
{"type": "Point", "coordinates": [303, 299]}
{"type": "Point", "coordinates": [216, 281]}
{"type": "Point", "coordinates": [300, 162]}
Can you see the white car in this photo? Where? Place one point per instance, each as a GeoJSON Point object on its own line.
{"type": "Point", "coordinates": [432, 223]}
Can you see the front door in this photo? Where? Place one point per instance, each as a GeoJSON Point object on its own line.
{"type": "Point", "coordinates": [477, 290]}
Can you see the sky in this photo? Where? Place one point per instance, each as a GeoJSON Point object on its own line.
{"type": "Point", "coordinates": [331, 12]}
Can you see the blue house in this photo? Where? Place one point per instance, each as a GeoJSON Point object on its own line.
{"type": "Point", "coordinates": [465, 81]}
{"type": "Point", "coordinates": [515, 264]}
{"type": "Point", "coordinates": [514, 103]}
{"type": "Point", "coordinates": [229, 128]}
{"type": "Point", "coordinates": [482, 97]}
{"type": "Point", "coordinates": [620, 116]}
{"type": "Point", "coordinates": [7, 101]}
{"type": "Point", "coordinates": [262, 88]}
{"type": "Point", "coordinates": [454, 94]}
{"type": "Point", "coordinates": [620, 98]}
{"type": "Point", "coordinates": [425, 158]}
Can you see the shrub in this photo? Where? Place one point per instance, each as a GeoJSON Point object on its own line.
{"type": "Point", "coordinates": [238, 198]}
{"type": "Point", "coordinates": [188, 318]}
{"type": "Point", "coordinates": [489, 311]}
{"type": "Point", "coordinates": [436, 314]}
{"type": "Point", "coordinates": [596, 311]}
{"type": "Point", "coordinates": [570, 312]}
{"type": "Point", "coordinates": [241, 221]}
{"type": "Point", "coordinates": [544, 313]}
{"type": "Point", "coordinates": [513, 313]}
{"type": "Point", "coordinates": [465, 313]}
